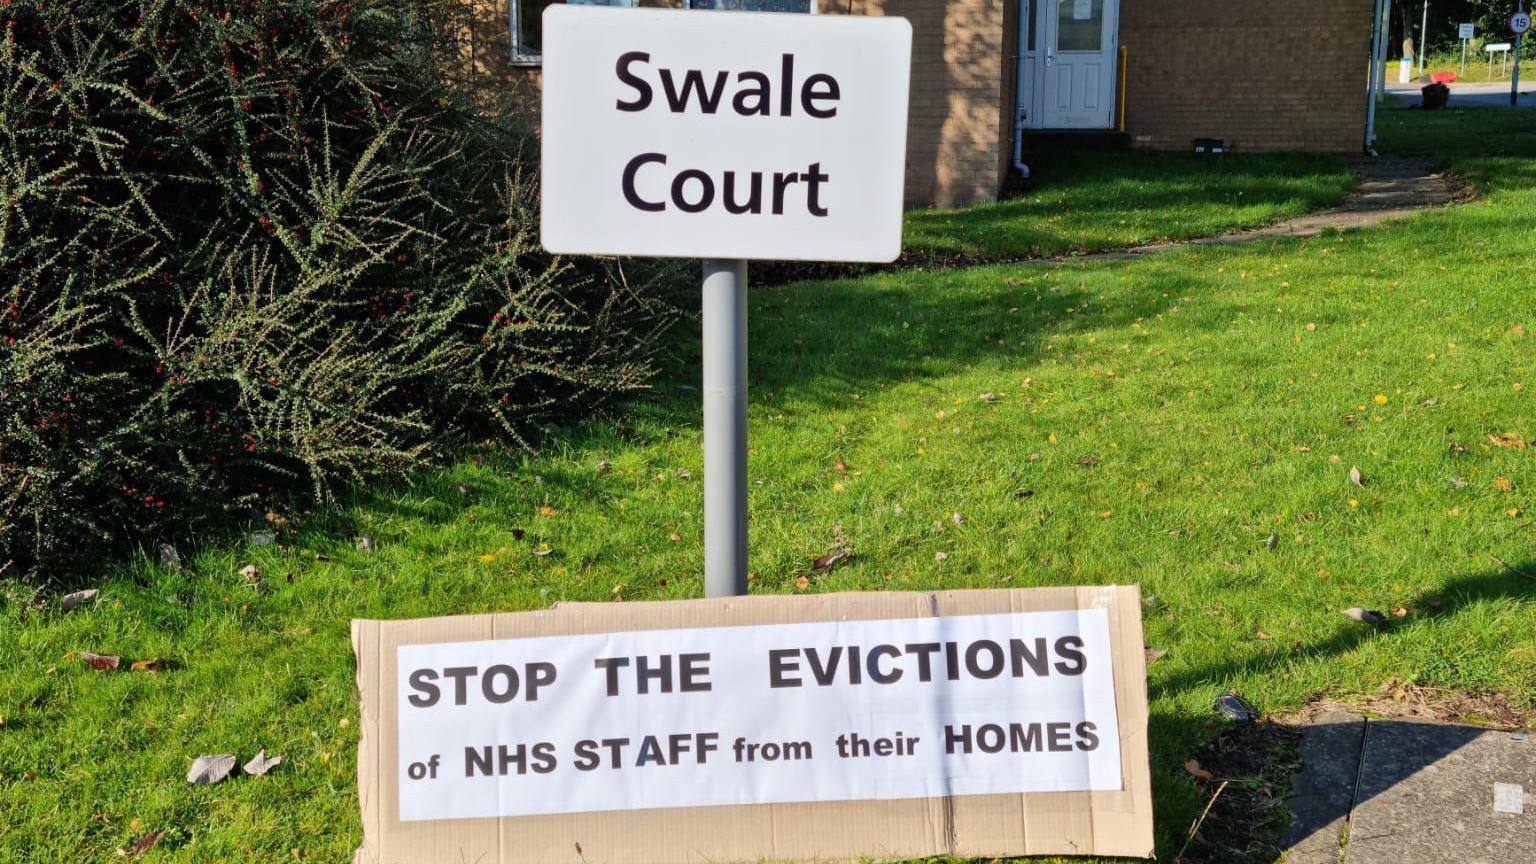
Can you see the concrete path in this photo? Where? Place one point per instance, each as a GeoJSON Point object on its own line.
{"type": "Point", "coordinates": [1393, 791]}
{"type": "Point", "coordinates": [1390, 188]}
{"type": "Point", "coordinates": [1493, 94]}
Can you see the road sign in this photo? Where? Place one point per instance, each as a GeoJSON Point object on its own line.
{"type": "Point", "coordinates": [736, 136]}
{"type": "Point", "coordinates": [1466, 31]}
{"type": "Point", "coordinates": [1520, 23]}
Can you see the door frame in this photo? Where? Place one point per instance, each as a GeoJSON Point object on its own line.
{"type": "Point", "coordinates": [1030, 63]}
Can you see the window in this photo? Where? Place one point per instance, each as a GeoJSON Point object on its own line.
{"type": "Point", "coordinates": [527, 25]}
{"type": "Point", "coordinates": [802, 6]}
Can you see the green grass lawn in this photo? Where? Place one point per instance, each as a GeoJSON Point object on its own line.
{"type": "Point", "coordinates": [1094, 201]}
{"type": "Point", "coordinates": [1154, 421]}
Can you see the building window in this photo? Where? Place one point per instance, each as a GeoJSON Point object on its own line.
{"type": "Point", "coordinates": [528, 21]}
{"type": "Point", "coordinates": [802, 6]}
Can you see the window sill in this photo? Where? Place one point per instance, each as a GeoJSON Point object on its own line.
{"type": "Point", "coordinates": [525, 61]}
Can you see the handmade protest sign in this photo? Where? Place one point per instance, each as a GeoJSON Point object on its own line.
{"type": "Point", "coordinates": [888, 724]}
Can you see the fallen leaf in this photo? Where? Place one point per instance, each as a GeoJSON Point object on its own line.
{"type": "Point", "coordinates": [143, 844]}
{"type": "Point", "coordinates": [323, 558]}
{"type": "Point", "coordinates": [988, 397]}
{"type": "Point", "coordinates": [1261, 635]}
{"type": "Point", "coordinates": [276, 519]}
{"type": "Point", "coordinates": [1195, 771]}
{"type": "Point", "coordinates": [802, 582]}
{"type": "Point", "coordinates": [1503, 484]}
{"type": "Point", "coordinates": [604, 467]}
{"type": "Point", "coordinates": [1365, 616]}
{"type": "Point", "coordinates": [547, 511]}
{"type": "Point", "coordinates": [1509, 440]}
{"type": "Point", "coordinates": [154, 665]}
{"type": "Point", "coordinates": [251, 573]}
{"type": "Point", "coordinates": [828, 561]}
{"type": "Point", "coordinates": [100, 662]}
{"type": "Point", "coordinates": [79, 598]}
{"type": "Point", "coordinates": [542, 551]}
{"type": "Point", "coordinates": [940, 556]}
{"type": "Point", "coordinates": [260, 764]}
{"type": "Point", "coordinates": [1356, 477]}
{"type": "Point", "coordinates": [1154, 655]}
{"type": "Point", "coordinates": [208, 770]}
{"type": "Point", "coordinates": [1400, 612]}
{"type": "Point", "coordinates": [675, 537]}
{"type": "Point", "coordinates": [364, 543]}
{"type": "Point", "coordinates": [683, 474]}
{"type": "Point", "coordinates": [957, 519]}
{"type": "Point", "coordinates": [1272, 541]}
{"type": "Point", "coordinates": [1517, 330]}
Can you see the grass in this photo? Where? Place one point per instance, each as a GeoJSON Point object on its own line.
{"type": "Point", "coordinates": [1095, 201]}
{"type": "Point", "coordinates": [1165, 415]}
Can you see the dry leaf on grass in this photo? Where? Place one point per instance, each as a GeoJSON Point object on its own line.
{"type": "Point", "coordinates": [1192, 767]}
{"type": "Point", "coordinates": [143, 844]}
{"type": "Point", "coordinates": [79, 598]}
{"type": "Point", "coordinates": [1509, 440]}
{"type": "Point", "coordinates": [261, 763]}
{"type": "Point", "coordinates": [101, 662]}
{"type": "Point", "coordinates": [208, 770]}
{"type": "Point", "coordinates": [1356, 477]}
{"type": "Point", "coordinates": [1154, 655]}
{"type": "Point", "coordinates": [154, 665]}
{"type": "Point", "coordinates": [827, 562]}
{"type": "Point", "coordinates": [802, 582]}
{"type": "Point", "coordinates": [1503, 484]}
{"type": "Point", "coordinates": [547, 511]}
{"type": "Point", "coordinates": [365, 543]}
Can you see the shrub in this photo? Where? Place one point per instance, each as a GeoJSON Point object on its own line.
{"type": "Point", "coordinates": [255, 248]}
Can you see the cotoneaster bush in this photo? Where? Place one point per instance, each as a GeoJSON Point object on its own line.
{"type": "Point", "coordinates": [251, 249]}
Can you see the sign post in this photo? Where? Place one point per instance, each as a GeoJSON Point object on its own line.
{"type": "Point", "coordinates": [1519, 24]}
{"type": "Point", "coordinates": [725, 137]}
{"type": "Point", "coordinates": [725, 427]}
{"type": "Point", "coordinates": [1466, 32]}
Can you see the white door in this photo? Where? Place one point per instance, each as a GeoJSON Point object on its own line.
{"type": "Point", "coordinates": [1069, 82]}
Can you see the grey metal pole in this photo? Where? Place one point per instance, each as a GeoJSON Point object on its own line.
{"type": "Point", "coordinates": [1514, 78]}
{"type": "Point", "coordinates": [1424, 37]}
{"type": "Point", "coordinates": [1370, 111]}
{"type": "Point", "coordinates": [725, 428]}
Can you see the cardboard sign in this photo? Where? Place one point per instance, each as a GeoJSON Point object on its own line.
{"type": "Point", "coordinates": [744, 729]}
{"type": "Point", "coordinates": [677, 133]}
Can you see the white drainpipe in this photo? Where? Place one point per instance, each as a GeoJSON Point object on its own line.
{"type": "Point", "coordinates": [1018, 144]}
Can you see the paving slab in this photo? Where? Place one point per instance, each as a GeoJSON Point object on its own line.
{"type": "Point", "coordinates": [1323, 791]}
{"type": "Point", "coordinates": [1432, 793]}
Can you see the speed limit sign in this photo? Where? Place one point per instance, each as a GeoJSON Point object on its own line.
{"type": "Point", "coordinates": [1519, 23]}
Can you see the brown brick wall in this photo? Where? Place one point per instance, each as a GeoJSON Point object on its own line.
{"type": "Point", "coordinates": [954, 136]}
{"type": "Point", "coordinates": [954, 133]}
{"type": "Point", "coordinates": [1260, 75]}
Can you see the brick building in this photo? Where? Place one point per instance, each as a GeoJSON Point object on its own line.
{"type": "Point", "coordinates": [988, 74]}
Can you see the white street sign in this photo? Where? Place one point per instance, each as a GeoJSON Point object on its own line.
{"type": "Point", "coordinates": [730, 135]}
{"type": "Point", "coordinates": [1466, 31]}
{"type": "Point", "coordinates": [1520, 23]}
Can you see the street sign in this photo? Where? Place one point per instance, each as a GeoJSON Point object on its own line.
{"type": "Point", "coordinates": [737, 135]}
{"type": "Point", "coordinates": [1466, 31]}
{"type": "Point", "coordinates": [1520, 23]}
